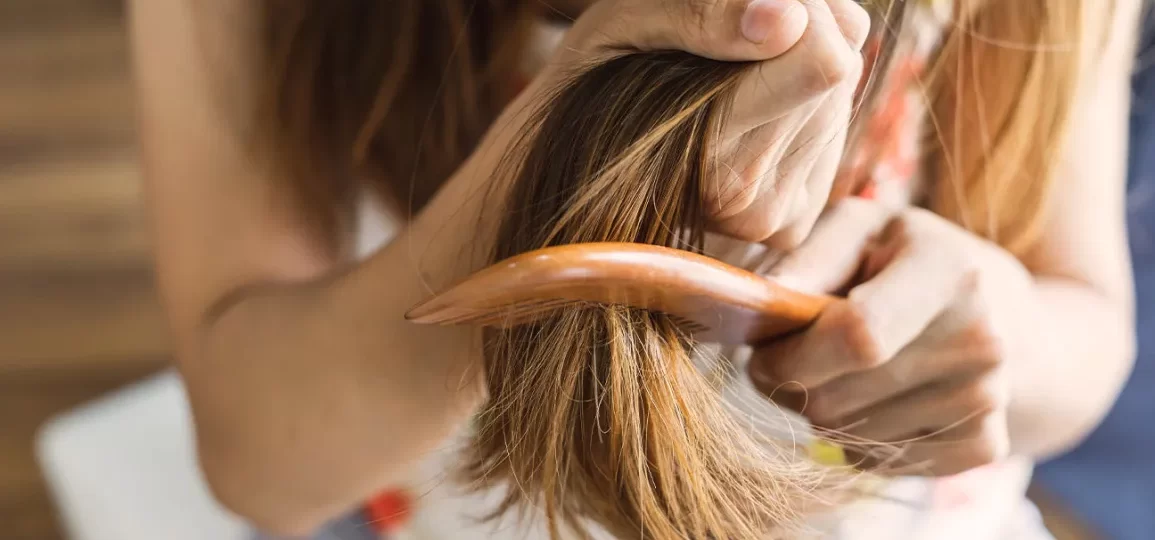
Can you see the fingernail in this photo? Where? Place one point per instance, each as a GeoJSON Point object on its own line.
{"type": "Point", "coordinates": [763, 16]}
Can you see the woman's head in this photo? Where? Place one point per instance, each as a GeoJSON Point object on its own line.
{"type": "Point", "coordinates": [397, 93]}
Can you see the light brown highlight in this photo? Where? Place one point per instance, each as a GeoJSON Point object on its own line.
{"type": "Point", "coordinates": [599, 413]}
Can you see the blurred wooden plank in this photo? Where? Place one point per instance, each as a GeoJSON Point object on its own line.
{"type": "Point", "coordinates": [93, 50]}
{"type": "Point", "coordinates": [21, 17]}
{"type": "Point", "coordinates": [83, 215]}
{"type": "Point", "coordinates": [38, 119]}
{"type": "Point", "coordinates": [109, 182]}
{"type": "Point", "coordinates": [99, 105]}
{"type": "Point", "coordinates": [64, 91]}
{"type": "Point", "coordinates": [78, 312]}
{"type": "Point", "coordinates": [71, 322]}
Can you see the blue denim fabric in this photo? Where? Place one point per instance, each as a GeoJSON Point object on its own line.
{"type": "Point", "coordinates": [351, 527]}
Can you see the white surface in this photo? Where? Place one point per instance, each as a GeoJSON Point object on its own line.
{"type": "Point", "coordinates": [124, 468]}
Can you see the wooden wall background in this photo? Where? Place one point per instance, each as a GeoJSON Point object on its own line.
{"type": "Point", "coordinates": [78, 315]}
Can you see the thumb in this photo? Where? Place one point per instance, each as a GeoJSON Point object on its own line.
{"type": "Point", "coordinates": [833, 254]}
{"type": "Point", "coordinates": [727, 30]}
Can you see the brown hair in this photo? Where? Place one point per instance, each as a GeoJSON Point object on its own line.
{"type": "Point", "coordinates": [1001, 94]}
{"type": "Point", "coordinates": [599, 412]}
{"type": "Point", "coordinates": [399, 92]}
{"type": "Point", "coordinates": [396, 92]}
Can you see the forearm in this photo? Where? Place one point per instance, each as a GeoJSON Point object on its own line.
{"type": "Point", "coordinates": [1078, 354]}
{"type": "Point", "coordinates": [308, 398]}
{"type": "Point", "coordinates": [1080, 331]}
{"type": "Point", "coordinates": [305, 402]}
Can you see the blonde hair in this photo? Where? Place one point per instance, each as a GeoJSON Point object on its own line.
{"type": "Point", "coordinates": [1001, 93]}
{"type": "Point", "coordinates": [598, 413]}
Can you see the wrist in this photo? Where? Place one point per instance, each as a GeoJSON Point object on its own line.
{"type": "Point", "coordinates": [422, 374]}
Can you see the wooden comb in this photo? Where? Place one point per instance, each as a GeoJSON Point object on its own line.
{"type": "Point", "coordinates": [713, 301]}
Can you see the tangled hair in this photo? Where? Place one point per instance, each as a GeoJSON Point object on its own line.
{"type": "Point", "coordinates": [601, 414]}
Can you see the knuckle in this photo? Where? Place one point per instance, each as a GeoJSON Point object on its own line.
{"type": "Point", "coordinates": [931, 229]}
{"type": "Point", "coordinates": [915, 214]}
{"type": "Point", "coordinates": [775, 371]}
{"type": "Point", "coordinates": [970, 282]}
{"type": "Point", "coordinates": [749, 225]}
{"type": "Point", "coordinates": [697, 17]}
{"type": "Point", "coordinates": [750, 230]}
{"type": "Point", "coordinates": [855, 212]}
{"type": "Point", "coordinates": [832, 64]}
{"type": "Point", "coordinates": [985, 348]}
{"type": "Point", "coordinates": [787, 376]}
{"type": "Point", "coordinates": [735, 199]}
{"type": "Point", "coordinates": [788, 238]}
{"type": "Point", "coordinates": [905, 224]}
{"type": "Point", "coordinates": [976, 454]}
{"type": "Point", "coordinates": [850, 68]}
{"type": "Point", "coordinates": [992, 446]}
{"type": "Point", "coordinates": [979, 399]}
{"type": "Point", "coordinates": [821, 407]}
{"type": "Point", "coordinates": [857, 24]}
{"type": "Point", "coordinates": [864, 349]}
{"type": "Point", "coordinates": [894, 230]}
{"type": "Point", "coordinates": [748, 180]}
{"type": "Point", "coordinates": [699, 12]}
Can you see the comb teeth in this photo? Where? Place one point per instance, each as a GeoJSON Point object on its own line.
{"type": "Point", "coordinates": [533, 310]}
{"type": "Point", "coordinates": [688, 325]}
{"type": "Point", "coordinates": [522, 312]}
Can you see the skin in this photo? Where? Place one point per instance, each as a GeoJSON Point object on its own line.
{"type": "Point", "coordinates": [952, 346]}
{"type": "Point", "coordinates": [309, 390]}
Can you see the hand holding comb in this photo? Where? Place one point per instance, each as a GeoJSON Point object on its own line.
{"type": "Point", "coordinates": [713, 301]}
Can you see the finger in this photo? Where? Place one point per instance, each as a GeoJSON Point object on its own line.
{"type": "Point", "coordinates": [729, 30]}
{"type": "Point", "coordinates": [836, 344]}
{"type": "Point", "coordinates": [966, 353]}
{"type": "Point", "coordinates": [931, 410]}
{"type": "Point", "coordinates": [975, 443]}
{"type": "Point", "coordinates": [814, 192]}
{"type": "Point", "coordinates": [755, 190]}
{"type": "Point", "coordinates": [861, 333]}
{"type": "Point", "coordinates": [918, 282]}
{"type": "Point", "coordinates": [832, 254]}
{"type": "Point", "coordinates": [820, 62]}
{"type": "Point", "coordinates": [781, 168]}
{"type": "Point", "coordinates": [853, 20]}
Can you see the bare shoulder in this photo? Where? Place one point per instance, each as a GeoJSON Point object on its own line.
{"type": "Point", "coordinates": [221, 220]}
{"type": "Point", "coordinates": [197, 46]}
{"type": "Point", "coordinates": [1085, 239]}
{"type": "Point", "coordinates": [1112, 29]}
